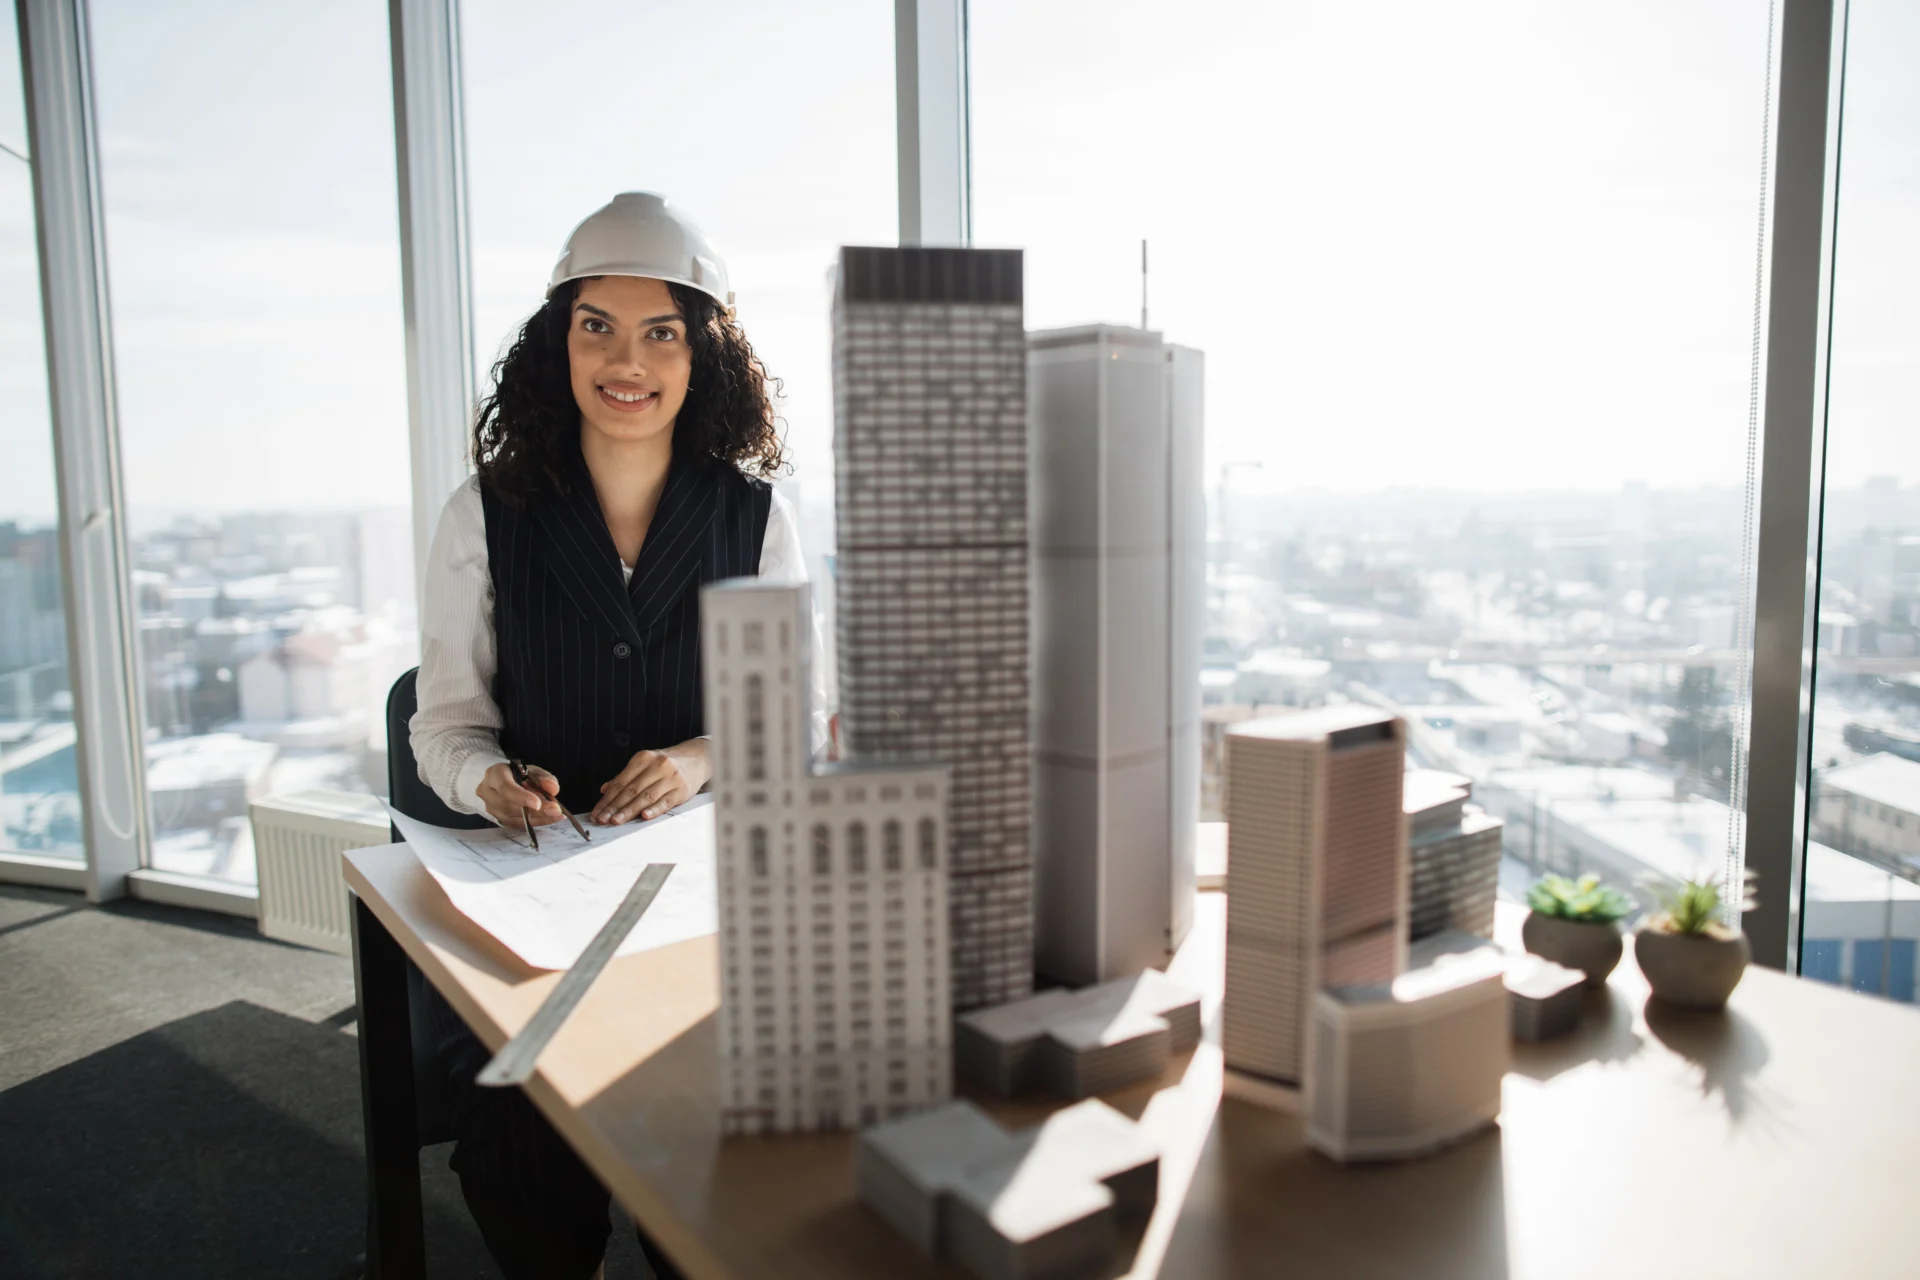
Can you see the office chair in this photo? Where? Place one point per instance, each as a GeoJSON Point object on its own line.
{"type": "Point", "coordinates": [417, 800]}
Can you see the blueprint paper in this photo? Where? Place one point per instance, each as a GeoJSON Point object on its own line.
{"type": "Point", "coordinates": [546, 905]}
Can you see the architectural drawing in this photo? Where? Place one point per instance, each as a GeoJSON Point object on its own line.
{"type": "Point", "coordinates": [545, 905]}
{"type": "Point", "coordinates": [930, 466]}
{"type": "Point", "coordinates": [1119, 577]}
{"type": "Point", "coordinates": [833, 910]}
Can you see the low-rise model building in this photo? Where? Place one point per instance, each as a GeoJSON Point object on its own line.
{"type": "Point", "coordinates": [1077, 1043]}
{"type": "Point", "coordinates": [1047, 1201]}
{"type": "Point", "coordinates": [1409, 1066]}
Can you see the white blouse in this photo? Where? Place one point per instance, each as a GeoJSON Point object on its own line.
{"type": "Point", "coordinates": [456, 731]}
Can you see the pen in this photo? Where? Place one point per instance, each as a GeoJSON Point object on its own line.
{"type": "Point", "coordinates": [520, 776]}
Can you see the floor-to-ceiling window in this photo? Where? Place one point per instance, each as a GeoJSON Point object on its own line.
{"type": "Point", "coordinates": [247, 169]}
{"type": "Point", "coordinates": [770, 124]}
{"type": "Point", "coordinates": [1862, 888]}
{"type": "Point", "coordinates": [39, 799]}
{"type": "Point", "coordinates": [1476, 289]}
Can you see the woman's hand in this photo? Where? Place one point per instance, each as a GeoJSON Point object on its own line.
{"type": "Point", "coordinates": [511, 805]}
{"type": "Point", "coordinates": [654, 782]}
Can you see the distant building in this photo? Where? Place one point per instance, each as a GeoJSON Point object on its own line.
{"type": "Point", "coordinates": [1119, 584]}
{"type": "Point", "coordinates": [1283, 679]}
{"type": "Point", "coordinates": [932, 560]}
{"type": "Point", "coordinates": [1860, 926]}
{"type": "Point", "coordinates": [325, 685]}
{"type": "Point", "coordinates": [1317, 876]}
{"type": "Point", "coordinates": [32, 626]}
{"type": "Point", "coordinates": [1871, 810]}
{"type": "Point", "coordinates": [835, 1008]}
{"type": "Point", "coordinates": [383, 545]}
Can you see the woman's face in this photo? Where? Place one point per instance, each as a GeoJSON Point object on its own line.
{"type": "Point", "coordinates": [628, 355]}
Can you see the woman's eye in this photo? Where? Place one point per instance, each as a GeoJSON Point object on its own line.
{"type": "Point", "coordinates": [664, 334]}
{"type": "Point", "coordinates": [596, 326]}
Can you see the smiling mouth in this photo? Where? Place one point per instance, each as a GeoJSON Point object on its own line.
{"type": "Point", "coordinates": [628, 399]}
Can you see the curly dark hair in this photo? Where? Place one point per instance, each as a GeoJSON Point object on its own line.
{"type": "Point", "coordinates": [523, 430]}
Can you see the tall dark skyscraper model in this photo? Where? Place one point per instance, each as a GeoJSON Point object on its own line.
{"type": "Point", "coordinates": [1119, 581]}
{"type": "Point", "coordinates": [930, 467]}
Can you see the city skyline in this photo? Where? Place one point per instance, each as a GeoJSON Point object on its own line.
{"type": "Point", "coordinates": [1601, 176]}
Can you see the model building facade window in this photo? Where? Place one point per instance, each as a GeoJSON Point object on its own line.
{"type": "Point", "coordinates": [834, 965]}
{"type": "Point", "coordinates": [930, 458]}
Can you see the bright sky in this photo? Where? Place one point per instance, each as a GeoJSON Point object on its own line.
{"type": "Point", "coordinates": [1481, 246]}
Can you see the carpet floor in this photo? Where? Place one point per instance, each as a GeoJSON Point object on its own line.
{"type": "Point", "coordinates": [180, 1097]}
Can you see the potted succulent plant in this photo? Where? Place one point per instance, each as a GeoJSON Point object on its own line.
{"type": "Point", "coordinates": [1576, 923]}
{"type": "Point", "coordinates": [1688, 956]}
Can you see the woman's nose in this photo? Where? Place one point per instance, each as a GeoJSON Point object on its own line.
{"type": "Point", "coordinates": [631, 351]}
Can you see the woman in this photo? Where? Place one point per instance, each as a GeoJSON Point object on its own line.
{"type": "Point", "coordinates": [622, 463]}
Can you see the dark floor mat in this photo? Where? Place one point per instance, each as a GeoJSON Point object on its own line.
{"type": "Point", "coordinates": [223, 1144]}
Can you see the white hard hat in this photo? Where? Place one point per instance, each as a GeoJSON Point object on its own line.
{"type": "Point", "coordinates": [640, 234]}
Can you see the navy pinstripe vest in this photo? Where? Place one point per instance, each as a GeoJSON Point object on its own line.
{"type": "Point", "coordinates": [591, 670]}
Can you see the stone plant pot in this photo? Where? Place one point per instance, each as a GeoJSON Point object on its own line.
{"type": "Point", "coordinates": [1696, 971]}
{"type": "Point", "coordinates": [1593, 949]}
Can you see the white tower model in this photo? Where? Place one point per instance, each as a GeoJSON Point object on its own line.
{"type": "Point", "coordinates": [1317, 878]}
{"type": "Point", "coordinates": [1119, 580]}
{"type": "Point", "coordinates": [930, 466]}
{"type": "Point", "coordinates": [834, 978]}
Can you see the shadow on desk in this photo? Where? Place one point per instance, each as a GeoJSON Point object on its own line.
{"type": "Point", "coordinates": [1275, 1207]}
{"type": "Point", "coordinates": [1606, 1035]}
{"type": "Point", "coordinates": [1727, 1051]}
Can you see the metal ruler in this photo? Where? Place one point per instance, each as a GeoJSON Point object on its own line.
{"type": "Point", "coordinates": [514, 1063]}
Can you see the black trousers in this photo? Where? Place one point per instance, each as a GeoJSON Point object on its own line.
{"type": "Point", "coordinates": [540, 1210]}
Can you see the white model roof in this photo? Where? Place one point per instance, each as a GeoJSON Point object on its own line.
{"type": "Point", "coordinates": [1305, 726]}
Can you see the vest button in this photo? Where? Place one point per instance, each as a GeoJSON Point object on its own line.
{"type": "Point", "coordinates": [621, 739]}
{"type": "Point", "coordinates": [622, 649]}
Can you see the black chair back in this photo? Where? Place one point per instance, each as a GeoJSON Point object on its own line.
{"type": "Point", "coordinates": [407, 792]}
{"type": "Point", "coordinates": [417, 800]}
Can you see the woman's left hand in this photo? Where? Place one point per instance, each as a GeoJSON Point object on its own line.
{"type": "Point", "coordinates": [654, 782]}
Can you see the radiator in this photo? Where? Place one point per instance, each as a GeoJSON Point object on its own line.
{"type": "Point", "coordinates": [298, 838]}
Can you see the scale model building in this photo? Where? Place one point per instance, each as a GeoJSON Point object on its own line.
{"type": "Point", "coordinates": [1077, 1043]}
{"type": "Point", "coordinates": [1546, 997]}
{"type": "Point", "coordinates": [1048, 1201]}
{"type": "Point", "coordinates": [1118, 596]}
{"type": "Point", "coordinates": [932, 594]}
{"type": "Point", "coordinates": [1454, 853]}
{"type": "Point", "coordinates": [832, 882]}
{"type": "Point", "coordinates": [1316, 878]}
{"type": "Point", "coordinates": [1408, 1066]}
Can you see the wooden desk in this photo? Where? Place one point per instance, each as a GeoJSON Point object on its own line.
{"type": "Point", "coordinates": [1781, 1138]}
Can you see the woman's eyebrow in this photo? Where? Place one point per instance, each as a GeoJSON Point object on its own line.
{"type": "Point", "coordinates": [609, 316]}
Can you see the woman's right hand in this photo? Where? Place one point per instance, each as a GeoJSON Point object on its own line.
{"type": "Point", "coordinates": [511, 805]}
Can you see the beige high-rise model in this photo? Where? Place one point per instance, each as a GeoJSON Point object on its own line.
{"type": "Point", "coordinates": [1317, 877]}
